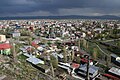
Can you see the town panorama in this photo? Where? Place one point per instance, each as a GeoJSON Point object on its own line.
{"type": "Point", "coordinates": [60, 49]}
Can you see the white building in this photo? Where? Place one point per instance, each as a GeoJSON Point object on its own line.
{"type": "Point", "coordinates": [15, 34]}
{"type": "Point", "coordinates": [115, 71]}
{"type": "Point", "coordinates": [2, 38]}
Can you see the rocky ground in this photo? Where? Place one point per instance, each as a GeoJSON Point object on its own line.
{"type": "Point", "coordinates": [19, 70]}
{"type": "Point", "coordinates": [22, 70]}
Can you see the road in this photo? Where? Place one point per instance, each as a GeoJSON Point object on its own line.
{"type": "Point", "coordinates": [101, 50]}
{"type": "Point", "coordinates": [111, 40]}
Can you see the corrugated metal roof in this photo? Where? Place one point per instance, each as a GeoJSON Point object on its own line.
{"type": "Point", "coordinates": [92, 68]}
{"type": "Point", "coordinates": [34, 60]}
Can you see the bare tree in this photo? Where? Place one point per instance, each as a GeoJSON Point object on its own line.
{"type": "Point", "coordinates": [53, 63]}
{"type": "Point", "coordinates": [84, 43]}
{"type": "Point", "coordinates": [13, 50]}
{"type": "Point", "coordinates": [79, 44]}
{"type": "Point", "coordinates": [108, 59]}
{"type": "Point", "coordinates": [52, 69]}
{"type": "Point", "coordinates": [95, 53]}
{"type": "Point", "coordinates": [65, 54]}
{"type": "Point", "coordinates": [87, 46]}
{"type": "Point", "coordinates": [29, 42]}
{"type": "Point", "coordinates": [72, 55]}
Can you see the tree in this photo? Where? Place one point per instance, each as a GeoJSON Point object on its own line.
{"type": "Point", "coordinates": [53, 73]}
{"type": "Point", "coordinates": [65, 54]}
{"type": "Point", "coordinates": [77, 59]}
{"type": "Point", "coordinates": [95, 53]}
{"type": "Point", "coordinates": [53, 64]}
{"type": "Point", "coordinates": [29, 40]}
{"type": "Point", "coordinates": [13, 50]}
{"type": "Point", "coordinates": [49, 43]}
{"type": "Point", "coordinates": [118, 43]}
{"type": "Point", "coordinates": [108, 59]}
{"type": "Point", "coordinates": [72, 55]}
{"type": "Point", "coordinates": [87, 45]}
{"type": "Point", "coordinates": [54, 61]}
{"type": "Point", "coordinates": [79, 44]}
{"type": "Point", "coordinates": [29, 43]}
{"type": "Point", "coordinates": [84, 43]}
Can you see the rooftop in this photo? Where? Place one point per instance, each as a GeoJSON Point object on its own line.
{"type": "Point", "coordinates": [115, 71]}
{"type": "Point", "coordinates": [5, 46]}
{"type": "Point", "coordinates": [35, 61]}
{"type": "Point", "coordinates": [92, 68]}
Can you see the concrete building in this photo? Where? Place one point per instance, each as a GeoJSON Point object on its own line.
{"type": "Point", "coordinates": [16, 34]}
{"type": "Point", "coordinates": [2, 38]}
{"type": "Point", "coordinates": [114, 71]}
{"type": "Point", "coordinates": [81, 71]}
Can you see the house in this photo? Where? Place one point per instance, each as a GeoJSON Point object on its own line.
{"type": "Point", "coordinates": [83, 35]}
{"type": "Point", "coordinates": [37, 63]}
{"type": "Point", "coordinates": [43, 68]}
{"type": "Point", "coordinates": [16, 34]}
{"type": "Point", "coordinates": [17, 27]}
{"type": "Point", "coordinates": [23, 50]}
{"type": "Point", "coordinates": [58, 56]}
{"type": "Point", "coordinates": [114, 71]}
{"type": "Point", "coordinates": [28, 55]}
{"type": "Point", "coordinates": [84, 60]}
{"type": "Point", "coordinates": [34, 60]}
{"type": "Point", "coordinates": [65, 66]}
{"type": "Point", "coordinates": [99, 30]}
{"type": "Point", "coordinates": [75, 65]}
{"type": "Point", "coordinates": [39, 48]}
{"type": "Point", "coordinates": [2, 38]}
{"type": "Point", "coordinates": [115, 59]}
{"type": "Point", "coordinates": [81, 71]}
{"type": "Point", "coordinates": [69, 24]}
{"type": "Point", "coordinates": [5, 48]}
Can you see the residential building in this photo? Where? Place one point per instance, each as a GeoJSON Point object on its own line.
{"type": "Point", "coordinates": [82, 70]}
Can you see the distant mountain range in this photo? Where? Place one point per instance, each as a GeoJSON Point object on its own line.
{"type": "Point", "coordinates": [62, 17]}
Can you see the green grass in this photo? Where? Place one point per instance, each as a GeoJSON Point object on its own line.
{"type": "Point", "coordinates": [22, 57]}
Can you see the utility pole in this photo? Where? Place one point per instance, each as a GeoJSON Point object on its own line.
{"type": "Point", "coordinates": [87, 73]}
{"type": "Point", "coordinates": [79, 44]}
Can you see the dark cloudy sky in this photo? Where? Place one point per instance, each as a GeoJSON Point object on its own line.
{"type": "Point", "coordinates": [59, 7]}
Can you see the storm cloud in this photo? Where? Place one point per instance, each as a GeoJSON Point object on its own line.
{"type": "Point", "coordinates": [59, 7]}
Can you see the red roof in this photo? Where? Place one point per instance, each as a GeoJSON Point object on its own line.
{"type": "Point", "coordinates": [5, 46]}
{"type": "Point", "coordinates": [35, 45]}
{"type": "Point", "coordinates": [74, 65]}
{"type": "Point", "coordinates": [78, 52]}
{"type": "Point", "coordinates": [111, 76]}
{"type": "Point", "coordinates": [85, 60]}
